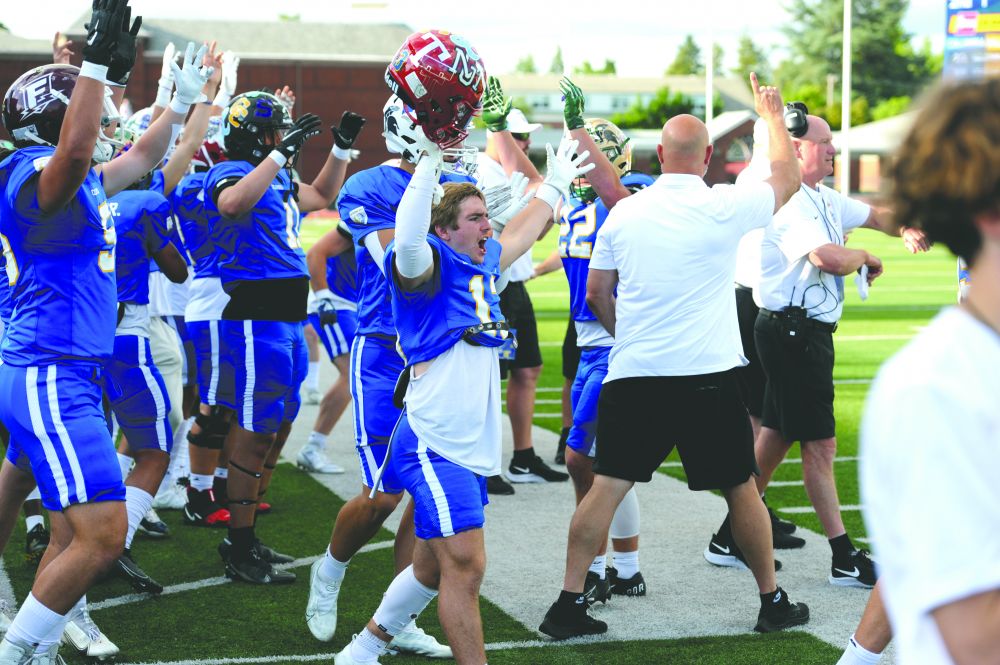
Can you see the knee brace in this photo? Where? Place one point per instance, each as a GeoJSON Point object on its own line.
{"type": "Point", "coordinates": [213, 430]}
{"type": "Point", "coordinates": [625, 523]}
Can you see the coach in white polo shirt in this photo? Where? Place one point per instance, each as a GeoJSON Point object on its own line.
{"type": "Point", "coordinates": [670, 250]}
{"type": "Point", "coordinates": [803, 267]}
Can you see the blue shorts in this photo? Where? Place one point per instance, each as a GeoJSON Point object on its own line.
{"type": "Point", "coordinates": [337, 338]}
{"type": "Point", "coordinates": [270, 359]}
{"type": "Point", "coordinates": [54, 416]}
{"type": "Point", "coordinates": [216, 375]}
{"type": "Point", "coordinates": [447, 498]}
{"type": "Point", "coordinates": [138, 395]}
{"type": "Point", "coordinates": [189, 370]}
{"type": "Point", "coordinates": [372, 457]}
{"type": "Point", "coordinates": [375, 367]}
{"type": "Point", "coordinates": [584, 395]}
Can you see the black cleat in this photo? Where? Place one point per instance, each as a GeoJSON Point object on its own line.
{"type": "Point", "coordinates": [595, 589]}
{"type": "Point", "coordinates": [561, 625]}
{"type": "Point", "coordinates": [857, 570]}
{"type": "Point", "coordinates": [630, 586]}
{"type": "Point", "coordinates": [497, 486]}
{"type": "Point", "coordinates": [152, 526]}
{"type": "Point", "coordinates": [781, 614]}
{"type": "Point", "coordinates": [35, 544]}
{"type": "Point", "coordinates": [264, 553]}
{"type": "Point", "coordinates": [725, 553]}
{"type": "Point", "coordinates": [127, 569]}
{"type": "Point", "coordinates": [255, 570]}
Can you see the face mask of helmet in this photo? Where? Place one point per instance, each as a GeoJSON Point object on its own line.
{"type": "Point", "coordinates": [614, 144]}
{"type": "Point", "coordinates": [403, 136]}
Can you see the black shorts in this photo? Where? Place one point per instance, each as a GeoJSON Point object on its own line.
{"type": "Point", "coordinates": [703, 416]}
{"type": "Point", "coordinates": [516, 307]}
{"type": "Point", "coordinates": [570, 352]}
{"type": "Point", "coordinates": [798, 399]}
{"type": "Point", "coordinates": [750, 379]}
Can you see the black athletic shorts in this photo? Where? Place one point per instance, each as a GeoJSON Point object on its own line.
{"type": "Point", "coordinates": [798, 399]}
{"type": "Point", "coordinates": [516, 307]}
{"type": "Point", "coordinates": [570, 352]}
{"type": "Point", "coordinates": [750, 379]}
{"type": "Point", "coordinates": [641, 419]}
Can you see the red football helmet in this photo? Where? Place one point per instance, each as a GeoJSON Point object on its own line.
{"type": "Point", "coordinates": [441, 77]}
{"type": "Point", "coordinates": [209, 154]}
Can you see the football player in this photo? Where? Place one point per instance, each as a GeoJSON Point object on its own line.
{"type": "Point", "coordinates": [58, 242]}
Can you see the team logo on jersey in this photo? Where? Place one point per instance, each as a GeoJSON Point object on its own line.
{"type": "Point", "coordinates": [358, 215]}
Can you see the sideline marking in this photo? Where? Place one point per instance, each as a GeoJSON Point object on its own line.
{"type": "Point", "coordinates": [800, 510]}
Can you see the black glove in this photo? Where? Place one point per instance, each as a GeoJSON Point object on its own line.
{"type": "Point", "coordinates": [304, 129]}
{"type": "Point", "coordinates": [346, 134]}
{"type": "Point", "coordinates": [123, 57]}
{"type": "Point", "coordinates": [103, 31]}
{"type": "Point", "coordinates": [325, 308]}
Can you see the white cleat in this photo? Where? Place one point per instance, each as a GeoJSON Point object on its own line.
{"type": "Point", "coordinates": [14, 654]}
{"type": "Point", "coordinates": [172, 498]}
{"type": "Point", "coordinates": [321, 609]}
{"type": "Point", "coordinates": [313, 396]}
{"type": "Point", "coordinates": [414, 640]}
{"type": "Point", "coordinates": [344, 657]}
{"type": "Point", "coordinates": [4, 619]}
{"type": "Point", "coordinates": [82, 634]}
{"type": "Point", "coordinates": [48, 657]}
{"type": "Point", "coordinates": [313, 460]}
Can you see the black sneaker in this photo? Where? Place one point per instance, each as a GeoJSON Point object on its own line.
{"type": "Point", "coordinates": [778, 524]}
{"type": "Point", "coordinates": [152, 526]}
{"type": "Point", "coordinates": [629, 586]}
{"type": "Point", "coordinates": [561, 454]}
{"type": "Point", "coordinates": [129, 570]}
{"type": "Point", "coordinates": [786, 541]}
{"type": "Point", "coordinates": [255, 570]}
{"type": "Point", "coordinates": [536, 471]}
{"type": "Point", "coordinates": [560, 625]}
{"type": "Point", "coordinates": [781, 614]}
{"type": "Point", "coordinates": [264, 553]}
{"type": "Point", "coordinates": [595, 589]}
{"type": "Point", "coordinates": [496, 485]}
{"type": "Point", "coordinates": [36, 542]}
{"type": "Point", "coordinates": [723, 552]}
{"type": "Point", "coordinates": [857, 570]}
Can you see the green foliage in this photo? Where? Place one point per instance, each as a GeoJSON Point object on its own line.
{"type": "Point", "coordinates": [688, 59]}
{"type": "Point", "coordinates": [526, 65]}
{"type": "Point", "coordinates": [557, 67]}
{"type": "Point", "coordinates": [814, 98]}
{"type": "Point", "coordinates": [290, 18]}
{"type": "Point", "coordinates": [664, 105]}
{"type": "Point", "coordinates": [751, 58]}
{"type": "Point", "coordinates": [587, 68]}
{"type": "Point", "coordinates": [718, 55]}
{"type": "Point", "coordinates": [891, 107]}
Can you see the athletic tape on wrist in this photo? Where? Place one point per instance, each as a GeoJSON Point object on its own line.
{"type": "Point", "coordinates": [341, 153]}
{"type": "Point", "coordinates": [177, 106]}
{"type": "Point", "coordinates": [92, 70]}
{"type": "Point", "coordinates": [549, 193]}
{"type": "Point", "coordinates": [278, 158]}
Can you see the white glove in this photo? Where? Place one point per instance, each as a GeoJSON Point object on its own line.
{"type": "Point", "coordinates": [190, 79]}
{"type": "Point", "coordinates": [516, 201]}
{"type": "Point", "coordinates": [166, 83]}
{"type": "Point", "coordinates": [227, 86]}
{"type": "Point", "coordinates": [286, 99]}
{"type": "Point", "coordinates": [561, 169]}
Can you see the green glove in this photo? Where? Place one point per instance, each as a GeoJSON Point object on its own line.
{"type": "Point", "coordinates": [495, 106]}
{"type": "Point", "coordinates": [573, 103]}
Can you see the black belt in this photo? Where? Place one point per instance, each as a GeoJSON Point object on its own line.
{"type": "Point", "coordinates": [469, 334]}
{"type": "Point", "coordinates": [784, 315]}
{"type": "Point", "coordinates": [743, 289]}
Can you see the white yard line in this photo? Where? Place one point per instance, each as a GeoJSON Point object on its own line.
{"type": "Point", "coordinates": [805, 510]}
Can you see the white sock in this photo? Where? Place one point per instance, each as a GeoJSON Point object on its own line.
{"type": "Point", "coordinates": [31, 521]}
{"type": "Point", "coordinates": [600, 565]}
{"type": "Point", "coordinates": [137, 504]}
{"type": "Point", "coordinates": [33, 623]}
{"type": "Point", "coordinates": [366, 647]}
{"type": "Point", "coordinates": [331, 569]}
{"type": "Point", "coordinates": [317, 440]}
{"type": "Point", "coordinates": [858, 655]}
{"type": "Point", "coordinates": [201, 481]}
{"type": "Point", "coordinates": [77, 609]}
{"type": "Point", "coordinates": [626, 563]}
{"type": "Point", "coordinates": [34, 495]}
{"type": "Point", "coordinates": [222, 472]}
{"type": "Point", "coordinates": [403, 602]}
{"type": "Point", "coordinates": [179, 458]}
{"type": "Point", "coordinates": [125, 464]}
{"type": "Point", "coordinates": [312, 377]}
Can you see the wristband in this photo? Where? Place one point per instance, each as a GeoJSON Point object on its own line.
{"type": "Point", "coordinates": [341, 153]}
{"type": "Point", "coordinates": [549, 193]}
{"type": "Point", "coordinates": [94, 71]}
{"type": "Point", "coordinates": [324, 294]}
{"type": "Point", "coordinates": [163, 94]}
{"type": "Point", "coordinates": [177, 106]}
{"type": "Point", "coordinates": [278, 158]}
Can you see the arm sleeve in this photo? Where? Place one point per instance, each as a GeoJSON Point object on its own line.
{"type": "Point", "coordinates": [374, 247]}
{"type": "Point", "coordinates": [413, 217]}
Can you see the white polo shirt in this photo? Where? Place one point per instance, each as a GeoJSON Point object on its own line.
{"type": "Point", "coordinates": [488, 174]}
{"type": "Point", "coordinates": [811, 219]}
{"type": "Point", "coordinates": [674, 247]}
{"type": "Point", "coordinates": [930, 450]}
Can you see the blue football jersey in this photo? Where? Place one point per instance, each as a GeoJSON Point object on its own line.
{"type": "Point", "coordinates": [263, 243]}
{"type": "Point", "coordinates": [342, 276]}
{"type": "Point", "coordinates": [60, 268]}
{"type": "Point", "coordinates": [578, 227]}
{"type": "Point", "coordinates": [367, 203]}
{"type": "Point", "coordinates": [461, 294]}
{"type": "Point", "coordinates": [189, 212]}
{"type": "Point", "coordinates": [158, 182]}
{"type": "Point", "coordinates": [142, 226]}
{"type": "Point", "coordinates": [6, 306]}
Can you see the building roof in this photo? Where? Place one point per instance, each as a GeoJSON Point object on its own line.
{"type": "Point", "coordinates": [881, 137]}
{"type": "Point", "coordinates": [14, 45]}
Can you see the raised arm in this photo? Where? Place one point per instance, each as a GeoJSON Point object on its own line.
{"type": "Point", "coordinates": [785, 177]}
{"type": "Point", "coordinates": [414, 259]}
{"type": "Point", "coordinates": [324, 189]}
{"type": "Point", "coordinates": [496, 106]}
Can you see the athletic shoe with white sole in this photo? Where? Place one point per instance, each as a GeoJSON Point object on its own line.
{"type": "Point", "coordinates": [313, 396]}
{"type": "Point", "coordinates": [343, 657]}
{"type": "Point", "coordinates": [725, 553]}
{"type": "Point", "coordinates": [780, 614]}
{"type": "Point", "coordinates": [82, 634]}
{"type": "Point", "coordinates": [151, 525]}
{"type": "Point", "coordinates": [255, 570]}
{"type": "Point", "coordinates": [414, 640]}
{"type": "Point", "coordinates": [174, 497]}
{"type": "Point", "coordinates": [595, 589]}
{"type": "Point", "coordinates": [535, 471]}
{"type": "Point", "coordinates": [313, 460]}
{"type": "Point", "coordinates": [5, 618]}
{"type": "Point", "coordinates": [16, 654]}
{"type": "Point", "coordinates": [857, 570]}
{"type": "Point", "coordinates": [48, 657]}
{"type": "Point", "coordinates": [321, 608]}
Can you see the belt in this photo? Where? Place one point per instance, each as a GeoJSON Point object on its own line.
{"type": "Point", "coordinates": [743, 289]}
{"type": "Point", "coordinates": [804, 320]}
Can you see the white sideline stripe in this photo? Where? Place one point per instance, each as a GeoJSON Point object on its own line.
{"type": "Point", "coordinates": [852, 382]}
{"type": "Point", "coordinates": [786, 483]}
{"type": "Point", "coordinates": [794, 460]}
{"type": "Point", "coordinates": [548, 401]}
{"type": "Point", "coordinates": [804, 510]}
{"type": "Point", "coordinates": [548, 415]}
{"type": "Point", "coordinates": [130, 598]}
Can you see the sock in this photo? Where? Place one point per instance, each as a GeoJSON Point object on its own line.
{"type": "Point", "coordinates": [125, 464]}
{"type": "Point", "coordinates": [366, 647]}
{"type": "Point", "coordinates": [33, 623]}
{"type": "Point", "coordinates": [34, 495]}
{"type": "Point", "coordinates": [317, 440]}
{"type": "Point", "coordinates": [331, 569]}
{"type": "Point", "coordinates": [572, 601]}
{"type": "Point", "coordinates": [855, 654]}
{"type": "Point", "coordinates": [627, 564]}
{"type": "Point", "coordinates": [201, 481]}
{"type": "Point", "coordinates": [242, 540]}
{"type": "Point", "coordinates": [600, 565]}
{"type": "Point", "coordinates": [841, 546]}
{"type": "Point", "coordinates": [563, 436]}
{"type": "Point", "coordinates": [523, 457]}
{"type": "Point", "coordinates": [222, 472]}
{"type": "Point", "coordinates": [772, 599]}
{"type": "Point", "coordinates": [31, 521]}
{"type": "Point", "coordinates": [137, 504]}
{"type": "Point", "coordinates": [312, 376]}
{"type": "Point", "coordinates": [403, 602]}
{"type": "Point", "coordinates": [220, 486]}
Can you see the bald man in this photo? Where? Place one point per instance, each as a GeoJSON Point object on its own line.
{"type": "Point", "coordinates": [670, 251]}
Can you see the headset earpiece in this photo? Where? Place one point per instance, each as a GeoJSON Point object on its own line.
{"type": "Point", "coordinates": [796, 121]}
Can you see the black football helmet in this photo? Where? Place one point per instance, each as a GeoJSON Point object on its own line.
{"type": "Point", "coordinates": [252, 125]}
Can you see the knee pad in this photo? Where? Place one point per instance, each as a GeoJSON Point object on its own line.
{"type": "Point", "coordinates": [214, 428]}
{"type": "Point", "coordinates": [625, 523]}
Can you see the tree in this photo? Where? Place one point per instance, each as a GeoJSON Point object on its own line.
{"type": "Point", "coordinates": [586, 68]}
{"type": "Point", "coordinates": [664, 105]}
{"type": "Point", "coordinates": [557, 67]}
{"type": "Point", "coordinates": [718, 55]}
{"type": "Point", "coordinates": [526, 65]}
{"type": "Point", "coordinates": [687, 60]}
{"type": "Point", "coordinates": [891, 107]}
{"type": "Point", "coordinates": [751, 58]}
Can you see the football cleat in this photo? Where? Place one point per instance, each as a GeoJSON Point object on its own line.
{"type": "Point", "coordinates": [13, 653]}
{"type": "Point", "coordinates": [343, 657]}
{"type": "Point", "coordinates": [595, 589]}
{"type": "Point", "coordinates": [321, 608]}
{"type": "Point", "coordinates": [36, 542]}
{"type": "Point", "coordinates": [129, 570]}
{"type": "Point", "coordinates": [82, 634]}
{"type": "Point", "coordinates": [173, 497]}
{"type": "Point", "coordinates": [48, 657]}
{"type": "Point", "coordinates": [630, 586]}
{"type": "Point", "coordinates": [313, 396]}
{"type": "Point", "coordinates": [312, 459]}
{"type": "Point", "coordinates": [262, 551]}
{"type": "Point", "coordinates": [202, 510]}
{"type": "Point", "coordinates": [263, 507]}
{"type": "Point", "coordinates": [414, 640]}
{"type": "Point", "coordinates": [255, 570]}
{"type": "Point", "coordinates": [151, 525]}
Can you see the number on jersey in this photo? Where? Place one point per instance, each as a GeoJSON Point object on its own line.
{"type": "Point", "coordinates": [576, 234]}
